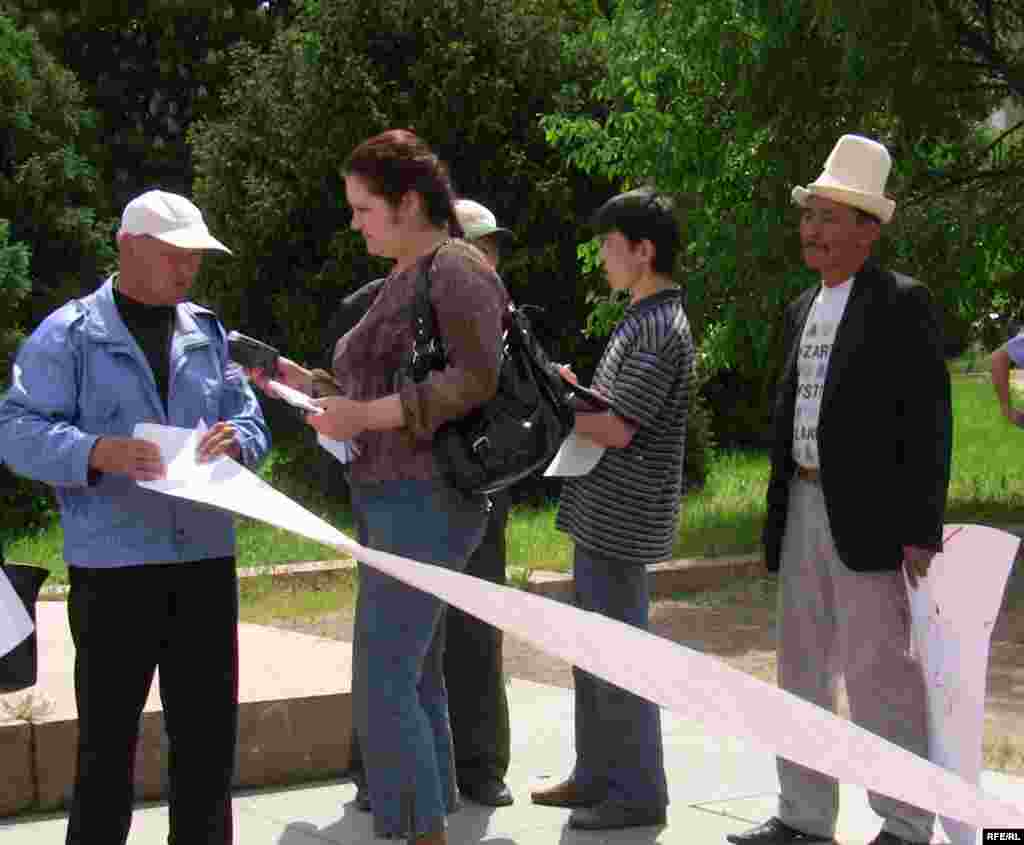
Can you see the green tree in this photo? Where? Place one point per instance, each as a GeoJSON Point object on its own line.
{"type": "Point", "coordinates": [148, 71]}
{"type": "Point", "coordinates": [14, 287]}
{"type": "Point", "coordinates": [49, 189]}
{"type": "Point", "coordinates": [469, 76]}
{"type": "Point", "coordinates": [727, 104]}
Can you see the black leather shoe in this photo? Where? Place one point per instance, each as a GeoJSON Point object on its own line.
{"type": "Point", "coordinates": [609, 816]}
{"type": "Point", "coordinates": [363, 798]}
{"type": "Point", "coordinates": [774, 832]}
{"type": "Point", "coordinates": [491, 792]}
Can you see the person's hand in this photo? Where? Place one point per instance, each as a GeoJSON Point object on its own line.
{"type": "Point", "coordinates": [131, 456]}
{"type": "Point", "coordinates": [565, 371]}
{"type": "Point", "coordinates": [221, 439]}
{"type": "Point", "coordinates": [288, 372]}
{"type": "Point", "coordinates": [342, 418]}
{"type": "Point", "coordinates": [916, 561]}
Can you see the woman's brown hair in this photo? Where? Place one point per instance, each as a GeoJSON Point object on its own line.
{"type": "Point", "coordinates": [398, 161]}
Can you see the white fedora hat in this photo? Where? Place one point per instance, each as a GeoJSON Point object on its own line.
{"type": "Point", "coordinates": [855, 174]}
{"type": "Point", "coordinates": [169, 218]}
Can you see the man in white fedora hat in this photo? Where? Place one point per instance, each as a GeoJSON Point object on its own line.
{"type": "Point", "coordinates": [152, 577]}
{"type": "Point", "coordinates": [860, 470]}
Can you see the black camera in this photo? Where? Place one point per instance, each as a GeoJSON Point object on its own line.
{"type": "Point", "coordinates": [252, 354]}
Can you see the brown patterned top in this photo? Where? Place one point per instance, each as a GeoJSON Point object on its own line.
{"type": "Point", "coordinates": [469, 300]}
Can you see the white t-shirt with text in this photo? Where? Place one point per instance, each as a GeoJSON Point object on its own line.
{"type": "Point", "coordinates": [812, 367]}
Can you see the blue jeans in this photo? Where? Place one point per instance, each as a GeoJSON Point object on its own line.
{"type": "Point", "coordinates": [619, 753]}
{"type": "Point", "coordinates": [400, 702]}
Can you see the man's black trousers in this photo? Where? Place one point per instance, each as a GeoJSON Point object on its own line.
{"type": "Point", "coordinates": [477, 704]}
{"type": "Point", "coordinates": [126, 622]}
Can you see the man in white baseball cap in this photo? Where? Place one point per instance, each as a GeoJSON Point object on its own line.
{"type": "Point", "coordinates": [152, 578]}
{"type": "Point", "coordinates": [860, 470]}
{"type": "Point", "coordinates": [170, 218]}
{"type": "Point", "coordinates": [480, 226]}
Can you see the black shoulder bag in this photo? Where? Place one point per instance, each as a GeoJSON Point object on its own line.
{"type": "Point", "coordinates": [19, 667]}
{"type": "Point", "coordinates": [518, 431]}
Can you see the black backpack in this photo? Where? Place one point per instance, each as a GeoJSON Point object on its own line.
{"type": "Point", "coordinates": [518, 431]}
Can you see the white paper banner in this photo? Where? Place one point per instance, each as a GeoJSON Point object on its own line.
{"type": "Point", "coordinates": [702, 688]}
{"type": "Point", "coordinates": [954, 611]}
{"type": "Point", "coordinates": [15, 623]}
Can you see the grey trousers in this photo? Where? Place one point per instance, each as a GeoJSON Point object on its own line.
{"type": "Point", "coordinates": [836, 622]}
{"type": "Point", "coordinates": [619, 750]}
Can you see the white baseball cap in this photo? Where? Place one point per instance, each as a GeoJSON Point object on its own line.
{"type": "Point", "coordinates": [477, 220]}
{"type": "Point", "coordinates": [169, 218]}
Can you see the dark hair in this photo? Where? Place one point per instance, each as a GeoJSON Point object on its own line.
{"type": "Point", "coordinates": [643, 215]}
{"type": "Point", "coordinates": [398, 161]}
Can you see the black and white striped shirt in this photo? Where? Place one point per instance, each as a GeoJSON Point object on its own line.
{"type": "Point", "coordinates": [627, 507]}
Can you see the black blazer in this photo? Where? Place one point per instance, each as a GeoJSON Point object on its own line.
{"type": "Point", "coordinates": [885, 430]}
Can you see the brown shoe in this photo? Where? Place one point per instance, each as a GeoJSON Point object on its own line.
{"type": "Point", "coordinates": [565, 794]}
{"type": "Point", "coordinates": [439, 837]}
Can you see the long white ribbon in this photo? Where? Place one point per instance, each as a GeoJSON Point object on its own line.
{"type": "Point", "coordinates": [702, 688]}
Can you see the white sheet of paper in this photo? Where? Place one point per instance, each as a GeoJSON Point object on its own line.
{"type": "Point", "coordinates": [15, 623]}
{"type": "Point", "coordinates": [724, 700]}
{"type": "Point", "coordinates": [178, 448]}
{"type": "Point", "coordinates": [344, 450]}
{"type": "Point", "coordinates": [295, 397]}
{"type": "Point", "coordinates": [226, 484]}
{"type": "Point", "coordinates": [953, 611]}
{"type": "Point", "coordinates": [577, 456]}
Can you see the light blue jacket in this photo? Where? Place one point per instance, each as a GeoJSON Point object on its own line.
{"type": "Point", "coordinates": [80, 376]}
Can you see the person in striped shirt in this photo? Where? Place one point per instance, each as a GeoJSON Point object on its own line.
{"type": "Point", "coordinates": [623, 514]}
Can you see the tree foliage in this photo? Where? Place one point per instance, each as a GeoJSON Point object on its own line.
{"type": "Point", "coordinates": [49, 190]}
{"type": "Point", "coordinates": [148, 70]}
{"type": "Point", "coordinates": [729, 103]}
{"type": "Point", "coordinates": [470, 77]}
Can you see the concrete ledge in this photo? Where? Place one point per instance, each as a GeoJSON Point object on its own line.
{"type": "Point", "coordinates": [294, 718]}
{"type": "Point", "coordinates": [685, 575]}
{"type": "Point", "coordinates": [18, 793]}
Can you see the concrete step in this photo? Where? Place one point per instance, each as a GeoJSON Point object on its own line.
{"type": "Point", "coordinates": [294, 725]}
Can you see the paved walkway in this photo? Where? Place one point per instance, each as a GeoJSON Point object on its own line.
{"type": "Point", "coordinates": [717, 786]}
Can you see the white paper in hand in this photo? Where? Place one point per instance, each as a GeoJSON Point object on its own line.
{"type": "Point", "coordinates": [295, 398]}
{"type": "Point", "coordinates": [344, 450]}
{"type": "Point", "coordinates": [578, 456]}
{"type": "Point", "coordinates": [179, 448]}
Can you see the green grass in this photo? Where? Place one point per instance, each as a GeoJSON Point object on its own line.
{"type": "Point", "coordinates": [265, 598]}
{"type": "Point", "coordinates": [725, 517]}
{"type": "Point", "coordinates": [987, 484]}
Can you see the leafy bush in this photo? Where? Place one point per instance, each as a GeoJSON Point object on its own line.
{"type": "Point", "coordinates": [468, 76]}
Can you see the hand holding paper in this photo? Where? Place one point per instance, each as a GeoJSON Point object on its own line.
{"type": "Point", "coordinates": [137, 458]}
{"type": "Point", "coordinates": [295, 398]}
